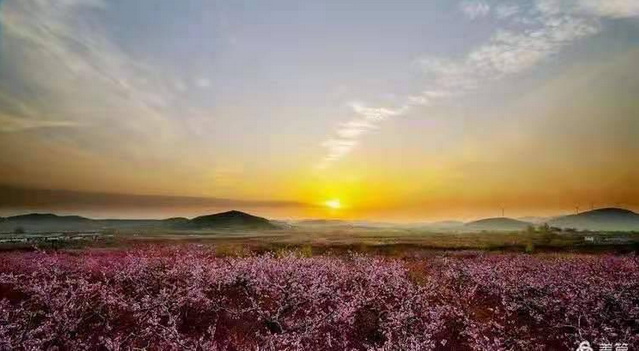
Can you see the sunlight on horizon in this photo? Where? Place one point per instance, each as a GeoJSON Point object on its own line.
{"type": "Point", "coordinates": [334, 204]}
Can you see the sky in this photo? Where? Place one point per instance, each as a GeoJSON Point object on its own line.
{"type": "Point", "coordinates": [379, 110]}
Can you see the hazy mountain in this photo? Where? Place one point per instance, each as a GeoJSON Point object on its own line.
{"type": "Point", "coordinates": [497, 224]}
{"type": "Point", "coordinates": [321, 222]}
{"type": "Point", "coordinates": [46, 217]}
{"type": "Point", "coordinates": [446, 224]}
{"type": "Point", "coordinates": [533, 219]}
{"type": "Point", "coordinates": [35, 222]}
{"type": "Point", "coordinates": [344, 224]}
{"type": "Point", "coordinates": [176, 222]}
{"type": "Point", "coordinates": [46, 222]}
{"type": "Point", "coordinates": [231, 219]}
{"type": "Point", "coordinates": [283, 224]}
{"type": "Point", "coordinates": [599, 219]}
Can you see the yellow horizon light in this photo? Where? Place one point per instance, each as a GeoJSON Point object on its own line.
{"type": "Point", "coordinates": [333, 204]}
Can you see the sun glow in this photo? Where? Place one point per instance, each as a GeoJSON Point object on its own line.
{"type": "Point", "coordinates": [333, 204]}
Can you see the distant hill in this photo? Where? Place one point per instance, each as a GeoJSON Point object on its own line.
{"type": "Point", "coordinates": [36, 222]}
{"type": "Point", "coordinates": [332, 224]}
{"type": "Point", "coordinates": [445, 224]}
{"type": "Point", "coordinates": [47, 222]}
{"type": "Point", "coordinates": [46, 217]}
{"type": "Point", "coordinates": [231, 219]}
{"type": "Point", "coordinates": [497, 224]}
{"type": "Point", "coordinates": [282, 224]}
{"type": "Point", "coordinates": [534, 220]}
{"type": "Point", "coordinates": [321, 222]}
{"type": "Point", "coordinates": [176, 222]}
{"type": "Point", "coordinates": [613, 219]}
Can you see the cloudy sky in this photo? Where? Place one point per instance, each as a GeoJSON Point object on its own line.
{"type": "Point", "coordinates": [401, 110]}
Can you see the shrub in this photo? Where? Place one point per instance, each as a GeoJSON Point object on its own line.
{"type": "Point", "coordinates": [530, 248]}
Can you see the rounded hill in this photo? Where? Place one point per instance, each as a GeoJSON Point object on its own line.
{"type": "Point", "coordinates": [232, 219]}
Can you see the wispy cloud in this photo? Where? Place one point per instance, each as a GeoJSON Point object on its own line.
{"type": "Point", "coordinates": [203, 83]}
{"type": "Point", "coordinates": [9, 124]}
{"type": "Point", "coordinates": [506, 10]}
{"type": "Point", "coordinates": [508, 52]}
{"type": "Point", "coordinates": [599, 8]}
{"type": "Point", "coordinates": [474, 9]}
{"type": "Point", "coordinates": [523, 41]}
{"type": "Point", "coordinates": [78, 62]}
{"type": "Point", "coordinates": [366, 120]}
{"type": "Point", "coordinates": [612, 8]}
{"type": "Point", "coordinates": [12, 197]}
{"type": "Point", "coordinates": [17, 116]}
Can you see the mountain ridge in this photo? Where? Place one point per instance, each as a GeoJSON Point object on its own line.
{"type": "Point", "coordinates": [232, 219]}
{"type": "Point", "coordinates": [606, 219]}
{"type": "Point", "coordinates": [497, 224]}
{"type": "Point", "coordinates": [42, 222]}
{"type": "Point", "coordinates": [609, 218]}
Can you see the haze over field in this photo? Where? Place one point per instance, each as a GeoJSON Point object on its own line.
{"type": "Point", "coordinates": [358, 110]}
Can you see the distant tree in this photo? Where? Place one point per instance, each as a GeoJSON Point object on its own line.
{"type": "Point", "coordinates": [109, 231]}
{"type": "Point", "coordinates": [19, 230]}
{"type": "Point", "coordinates": [530, 248]}
{"type": "Point", "coordinates": [530, 229]}
{"type": "Point", "coordinates": [547, 233]}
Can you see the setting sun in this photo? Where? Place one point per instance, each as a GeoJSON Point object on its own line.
{"type": "Point", "coordinates": [333, 204]}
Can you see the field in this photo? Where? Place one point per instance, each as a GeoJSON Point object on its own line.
{"type": "Point", "coordinates": [386, 241]}
{"type": "Point", "coordinates": [210, 297]}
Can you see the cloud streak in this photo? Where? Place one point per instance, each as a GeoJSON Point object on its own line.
{"type": "Point", "coordinates": [598, 8]}
{"type": "Point", "coordinates": [67, 68]}
{"type": "Point", "coordinates": [12, 197]}
{"type": "Point", "coordinates": [79, 63]}
{"type": "Point", "coordinates": [347, 134]}
{"type": "Point", "coordinates": [17, 117]}
{"type": "Point", "coordinates": [10, 124]}
{"type": "Point", "coordinates": [474, 9]}
{"type": "Point", "coordinates": [524, 40]}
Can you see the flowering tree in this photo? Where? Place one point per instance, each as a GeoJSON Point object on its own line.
{"type": "Point", "coordinates": [185, 298]}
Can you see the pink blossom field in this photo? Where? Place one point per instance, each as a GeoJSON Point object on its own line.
{"type": "Point", "coordinates": [187, 298]}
